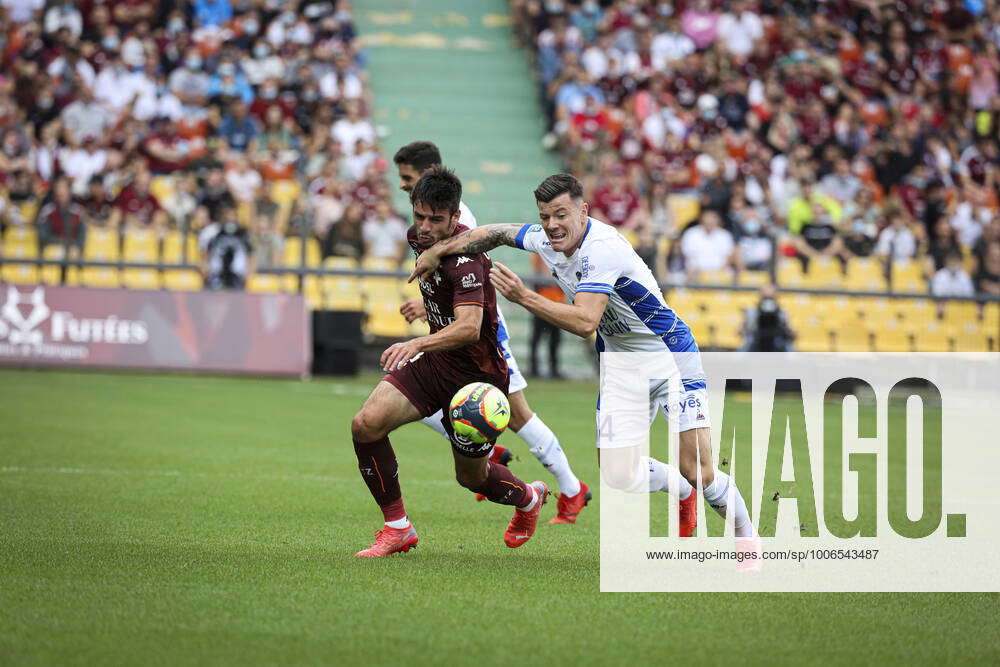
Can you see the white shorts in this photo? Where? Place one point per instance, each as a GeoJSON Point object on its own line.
{"type": "Point", "coordinates": [687, 407]}
{"type": "Point", "coordinates": [517, 381]}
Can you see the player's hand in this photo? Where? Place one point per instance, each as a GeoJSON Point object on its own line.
{"type": "Point", "coordinates": [413, 310]}
{"type": "Point", "coordinates": [508, 283]}
{"type": "Point", "coordinates": [398, 354]}
{"type": "Point", "coordinates": [427, 263]}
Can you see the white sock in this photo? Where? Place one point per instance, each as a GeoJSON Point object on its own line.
{"type": "Point", "coordinates": [434, 421]}
{"type": "Point", "coordinates": [399, 524]}
{"type": "Point", "coordinates": [534, 499]}
{"type": "Point", "coordinates": [665, 477]}
{"type": "Point", "coordinates": [544, 446]}
{"type": "Point", "coordinates": [717, 494]}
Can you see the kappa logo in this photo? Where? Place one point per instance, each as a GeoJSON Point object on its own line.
{"type": "Point", "coordinates": [462, 260]}
{"type": "Point", "coordinates": [14, 325]}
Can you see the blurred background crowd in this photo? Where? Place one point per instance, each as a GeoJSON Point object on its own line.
{"type": "Point", "coordinates": [243, 121]}
{"type": "Point", "coordinates": [857, 140]}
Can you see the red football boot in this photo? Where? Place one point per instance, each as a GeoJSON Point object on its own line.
{"type": "Point", "coordinates": [389, 541]}
{"type": "Point", "coordinates": [501, 455]}
{"type": "Point", "coordinates": [569, 507]}
{"type": "Point", "coordinates": [689, 514]}
{"type": "Point", "coordinates": [522, 526]}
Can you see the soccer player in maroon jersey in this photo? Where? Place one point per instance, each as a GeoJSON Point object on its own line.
{"type": "Point", "coordinates": [423, 375]}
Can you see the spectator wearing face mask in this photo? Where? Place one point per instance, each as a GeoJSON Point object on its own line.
{"type": "Point", "coordinates": [897, 242]}
{"type": "Point", "coordinates": [951, 280]}
{"type": "Point", "coordinates": [226, 262]}
{"type": "Point", "coordinates": [261, 64]}
{"type": "Point", "coordinates": [239, 129]}
{"type": "Point", "coordinates": [765, 326]}
{"type": "Point", "coordinates": [229, 83]}
{"type": "Point", "coordinates": [189, 82]}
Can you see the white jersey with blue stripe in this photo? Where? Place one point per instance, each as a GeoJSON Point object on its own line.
{"type": "Point", "coordinates": [469, 220]}
{"type": "Point", "coordinates": [636, 319]}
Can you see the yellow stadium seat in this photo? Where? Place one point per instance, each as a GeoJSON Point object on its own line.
{"type": "Point", "coordinates": [173, 248]}
{"type": "Point", "coordinates": [811, 335]}
{"type": "Point", "coordinates": [720, 277]}
{"type": "Point", "coordinates": [182, 280]}
{"type": "Point", "coordinates": [681, 301]}
{"type": "Point", "coordinates": [892, 336]}
{"type": "Point", "coordinates": [789, 273]}
{"type": "Point", "coordinates": [341, 292]}
{"type": "Point", "coordinates": [959, 312]}
{"type": "Point", "coordinates": [312, 293]}
{"type": "Point", "coordinates": [284, 192]}
{"type": "Point", "coordinates": [264, 283]}
{"type": "Point", "coordinates": [20, 242]}
{"type": "Point", "coordinates": [140, 246]}
{"type": "Point", "coordinates": [852, 339]}
{"type": "Point", "coordinates": [383, 297]}
{"type": "Point", "coordinates": [291, 256]}
{"type": "Point", "coordinates": [726, 329]}
{"type": "Point", "coordinates": [908, 278]}
{"type": "Point", "coordinates": [991, 316]}
{"type": "Point", "coordinates": [699, 323]}
{"type": "Point", "coordinates": [51, 274]}
{"type": "Point", "coordinates": [683, 209]}
{"type": "Point", "coordinates": [823, 273]}
{"type": "Point", "coordinates": [753, 278]}
{"type": "Point", "coordinates": [162, 187]}
{"type": "Point", "coordinates": [865, 274]}
{"type": "Point", "coordinates": [931, 336]}
{"type": "Point", "coordinates": [968, 336]}
{"type": "Point", "coordinates": [19, 274]}
{"type": "Point", "coordinates": [915, 312]}
{"type": "Point", "coordinates": [29, 209]}
{"type": "Point", "coordinates": [101, 245]}
{"type": "Point", "coordinates": [20, 235]}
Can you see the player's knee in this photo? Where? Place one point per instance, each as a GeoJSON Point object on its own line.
{"type": "Point", "coordinates": [689, 470]}
{"type": "Point", "coordinates": [518, 418]}
{"type": "Point", "coordinates": [622, 478]}
{"type": "Point", "coordinates": [707, 474]}
{"type": "Point", "coordinates": [364, 428]}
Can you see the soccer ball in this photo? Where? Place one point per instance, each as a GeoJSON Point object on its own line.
{"type": "Point", "coordinates": [479, 412]}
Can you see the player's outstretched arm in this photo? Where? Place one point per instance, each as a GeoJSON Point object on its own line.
{"type": "Point", "coordinates": [480, 239]}
{"type": "Point", "coordinates": [463, 331]}
{"type": "Point", "coordinates": [580, 318]}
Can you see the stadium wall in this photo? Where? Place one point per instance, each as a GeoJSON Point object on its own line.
{"type": "Point", "coordinates": [222, 332]}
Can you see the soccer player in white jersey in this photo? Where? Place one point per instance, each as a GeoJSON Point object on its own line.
{"type": "Point", "coordinates": [412, 160]}
{"type": "Point", "coordinates": [614, 295]}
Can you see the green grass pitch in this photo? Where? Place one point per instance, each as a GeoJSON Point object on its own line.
{"type": "Point", "coordinates": [174, 519]}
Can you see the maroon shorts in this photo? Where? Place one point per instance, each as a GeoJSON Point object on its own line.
{"type": "Point", "coordinates": [430, 386]}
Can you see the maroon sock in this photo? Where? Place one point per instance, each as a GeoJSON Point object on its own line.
{"type": "Point", "coordinates": [379, 469]}
{"type": "Point", "coordinates": [503, 488]}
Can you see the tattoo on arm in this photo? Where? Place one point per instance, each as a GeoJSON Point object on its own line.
{"type": "Point", "coordinates": [490, 236]}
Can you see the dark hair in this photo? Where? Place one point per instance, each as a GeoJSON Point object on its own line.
{"type": "Point", "coordinates": [439, 189]}
{"type": "Point", "coordinates": [558, 184]}
{"type": "Point", "coordinates": [420, 155]}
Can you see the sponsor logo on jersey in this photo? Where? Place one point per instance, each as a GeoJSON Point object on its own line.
{"type": "Point", "coordinates": [585, 267]}
{"type": "Point", "coordinates": [469, 281]}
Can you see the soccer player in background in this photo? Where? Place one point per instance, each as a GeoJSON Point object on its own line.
{"type": "Point", "coordinates": [412, 160]}
{"type": "Point", "coordinates": [615, 296]}
{"type": "Point", "coordinates": [423, 374]}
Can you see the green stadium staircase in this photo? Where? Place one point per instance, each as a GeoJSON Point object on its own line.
{"type": "Point", "coordinates": [449, 71]}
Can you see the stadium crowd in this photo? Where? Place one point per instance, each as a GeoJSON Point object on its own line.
{"type": "Point", "coordinates": [726, 135]}
{"type": "Point", "coordinates": [243, 121]}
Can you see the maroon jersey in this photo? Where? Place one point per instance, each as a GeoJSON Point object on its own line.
{"type": "Point", "coordinates": [463, 280]}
